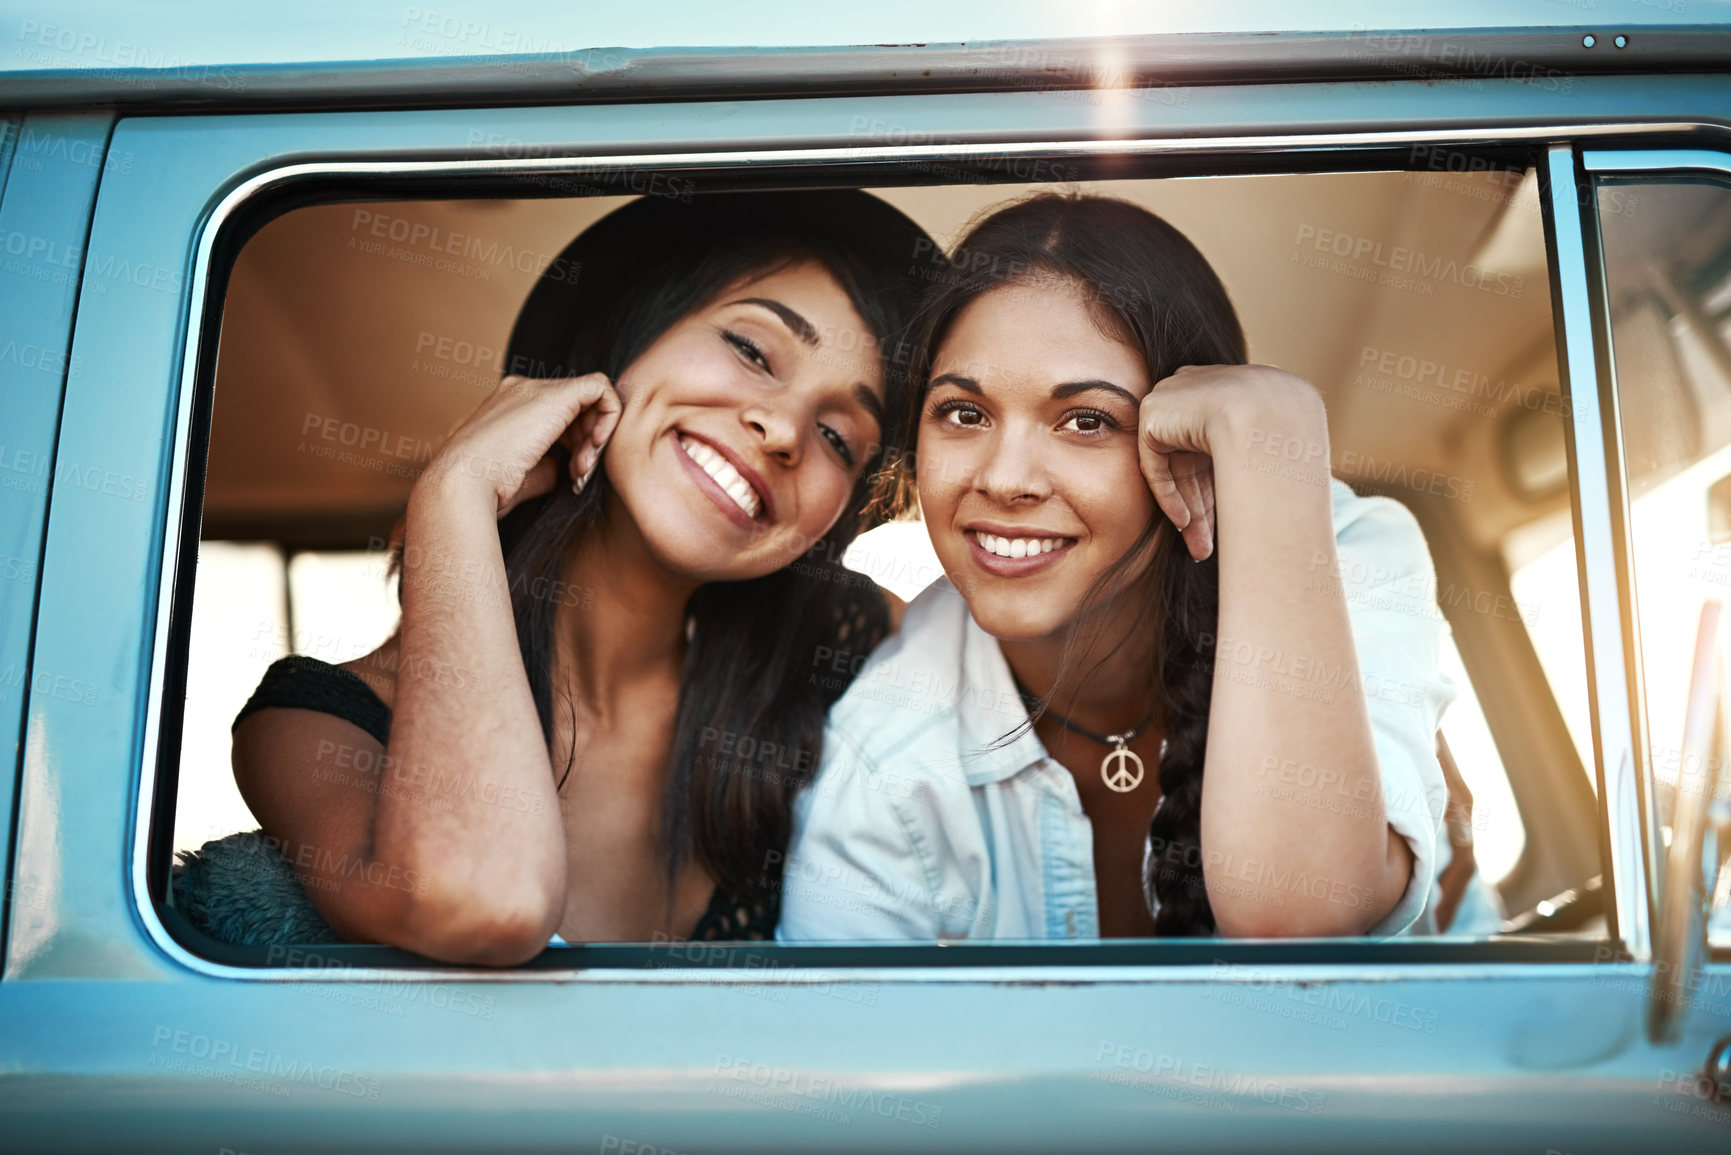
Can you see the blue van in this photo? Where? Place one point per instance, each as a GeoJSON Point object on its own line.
{"type": "Point", "coordinates": [252, 272]}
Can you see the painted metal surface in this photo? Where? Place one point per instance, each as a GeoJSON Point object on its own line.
{"type": "Point", "coordinates": [1597, 464]}
{"type": "Point", "coordinates": [110, 35]}
{"type": "Point", "coordinates": [109, 1041]}
{"type": "Point", "coordinates": [980, 61]}
{"type": "Point", "coordinates": [49, 189]}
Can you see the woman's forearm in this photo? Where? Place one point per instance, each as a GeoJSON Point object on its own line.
{"type": "Point", "coordinates": [1294, 827]}
{"type": "Point", "coordinates": [480, 821]}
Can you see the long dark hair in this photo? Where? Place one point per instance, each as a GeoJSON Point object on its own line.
{"type": "Point", "coordinates": [755, 689]}
{"type": "Point", "coordinates": [1149, 287]}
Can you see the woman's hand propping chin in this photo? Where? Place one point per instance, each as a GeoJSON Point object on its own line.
{"type": "Point", "coordinates": [1209, 418]}
{"type": "Point", "coordinates": [501, 450]}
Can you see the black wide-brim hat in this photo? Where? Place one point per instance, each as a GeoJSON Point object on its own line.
{"type": "Point", "coordinates": [595, 268]}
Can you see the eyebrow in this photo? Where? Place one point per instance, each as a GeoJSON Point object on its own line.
{"type": "Point", "coordinates": [869, 401]}
{"type": "Point", "coordinates": [802, 328]}
{"type": "Point", "coordinates": [807, 333]}
{"type": "Point", "coordinates": [1071, 388]}
{"type": "Point", "coordinates": [967, 384]}
{"type": "Point", "coordinates": [1059, 392]}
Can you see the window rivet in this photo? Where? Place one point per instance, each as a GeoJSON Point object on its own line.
{"type": "Point", "coordinates": [1588, 41]}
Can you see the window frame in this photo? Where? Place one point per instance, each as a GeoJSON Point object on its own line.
{"type": "Point", "coordinates": [1641, 784]}
{"type": "Point", "coordinates": [1105, 961]}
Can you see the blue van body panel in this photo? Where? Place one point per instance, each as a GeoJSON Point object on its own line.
{"type": "Point", "coordinates": [1540, 1060]}
{"type": "Point", "coordinates": [200, 39]}
{"type": "Point", "coordinates": [49, 188]}
{"type": "Point", "coordinates": [98, 609]}
{"type": "Point", "coordinates": [108, 1041]}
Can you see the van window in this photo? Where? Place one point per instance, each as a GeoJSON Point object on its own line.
{"type": "Point", "coordinates": [1668, 274]}
{"type": "Point", "coordinates": [356, 335]}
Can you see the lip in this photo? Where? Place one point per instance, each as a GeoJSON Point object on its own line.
{"type": "Point", "coordinates": [1013, 566]}
{"type": "Point", "coordinates": [718, 495]}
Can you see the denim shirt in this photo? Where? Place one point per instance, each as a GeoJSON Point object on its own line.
{"type": "Point", "coordinates": [923, 823]}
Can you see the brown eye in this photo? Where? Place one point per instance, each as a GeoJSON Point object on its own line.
{"type": "Point", "coordinates": [746, 348]}
{"type": "Point", "coordinates": [958, 412]}
{"type": "Point", "coordinates": [842, 448]}
{"type": "Point", "coordinates": [1089, 421]}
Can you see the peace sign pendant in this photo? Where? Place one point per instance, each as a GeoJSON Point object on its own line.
{"type": "Point", "coordinates": [1117, 770]}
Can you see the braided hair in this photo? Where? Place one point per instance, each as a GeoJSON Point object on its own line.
{"type": "Point", "coordinates": [1150, 288]}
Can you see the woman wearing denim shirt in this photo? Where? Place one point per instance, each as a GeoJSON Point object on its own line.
{"type": "Point", "coordinates": [1025, 759]}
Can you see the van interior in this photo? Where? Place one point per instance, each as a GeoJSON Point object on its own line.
{"type": "Point", "coordinates": [356, 335]}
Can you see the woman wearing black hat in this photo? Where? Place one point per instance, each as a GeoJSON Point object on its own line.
{"type": "Point", "coordinates": [610, 679]}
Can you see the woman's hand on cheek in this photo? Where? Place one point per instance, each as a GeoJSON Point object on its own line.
{"type": "Point", "coordinates": [1201, 414]}
{"type": "Point", "coordinates": [588, 435]}
{"type": "Point", "coordinates": [1173, 448]}
{"type": "Point", "coordinates": [500, 454]}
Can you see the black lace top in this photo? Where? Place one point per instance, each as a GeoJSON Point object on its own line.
{"type": "Point", "coordinates": [305, 683]}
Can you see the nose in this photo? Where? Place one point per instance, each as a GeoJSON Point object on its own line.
{"type": "Point", "coordinates": [1011, 472]}
{"type": "Point", "coordinates": [778, 427]}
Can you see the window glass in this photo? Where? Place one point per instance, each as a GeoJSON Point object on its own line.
{"type": "Point", "coordinates": [1544, 576]}
{"type": "Point", "coordinates": [239, 627]}
{"type": "Point", "coordinates": [1499, 836]}
{"type": "Point", "coordinates": [1668, 271]}
{"type": "Point", "coordinates": [355, 338]}
{"type": "Point", "coordinates": [254, 604]}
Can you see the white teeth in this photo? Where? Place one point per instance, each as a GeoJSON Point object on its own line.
{"type": "Point", "coordinates": [1019, 546]}
{"type": "Point", "coordinates": [725, 475]}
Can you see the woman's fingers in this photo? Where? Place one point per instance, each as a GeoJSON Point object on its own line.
{"type": "Point", "coordinates": [540, 479]}
{"type": "Point", "coordinates": [604, 420]}
{"type": "Point", "coordinates": [1157, 471]}
{"type": "Point", "coordinates": [1194, 474]}
{"type": "Point", "coordinates": [598, 415]}
{"type": "Point", "coordinates": [1182, 483]}
{"type": "Point", "coordinates": [1175, 459]}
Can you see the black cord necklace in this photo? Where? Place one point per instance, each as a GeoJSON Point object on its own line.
{"type": "Point", "coordinates": [1121, 769]}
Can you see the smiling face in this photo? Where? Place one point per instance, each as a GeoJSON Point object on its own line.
{"type": "Point", "coordinates": [746, 425]}
{"type": "Point", "coordinates": [1027, 466]}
